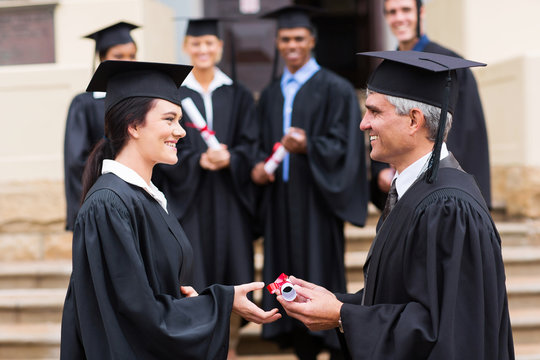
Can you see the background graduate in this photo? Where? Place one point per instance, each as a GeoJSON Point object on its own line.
{"type": "Point", "coordinates": [209, 189]}
{"type": "Point", "coordinates": [86, 115]}
{"type": "Point", "coordinates": [468, 140]}
{"type": "Point", "coordinates": [315, 114]}
{"type": "Point", "coordinates": [434, 282]}
{"type": "Point", "coordinates": [129, 295]}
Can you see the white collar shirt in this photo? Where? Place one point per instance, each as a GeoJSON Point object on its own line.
{"type": "Point", "coordinates": [131, 177]}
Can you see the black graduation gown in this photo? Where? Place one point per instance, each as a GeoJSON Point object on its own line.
{"type": "Point", "coordinates": [435, 281]}
{"type": "Point", "coordinates": [467, 140]}
{"type": "Point", "coordinates": [123, 302]}
{"type": "Point", "coordinates": [216, 208]}
{"type": "Point", "coordinates": [303, 219]}
{"type": "Point", "coordinates": [84, 128]}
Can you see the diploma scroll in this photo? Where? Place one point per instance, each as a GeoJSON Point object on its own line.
{"type": "Point", "coordinates": [284, 287]}
{"type": "Point", "coordinates": [278, 153]}
{"type": "Point", "coordinates": [198, 121]}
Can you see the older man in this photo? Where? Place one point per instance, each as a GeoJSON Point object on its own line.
{"type": "Point", "coordinates": [434, 278]}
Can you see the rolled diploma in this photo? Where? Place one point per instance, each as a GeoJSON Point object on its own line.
{"type": "Point", "coordinates": [275, 159]}
{"type": "Point", "coordinates": [189, 106]}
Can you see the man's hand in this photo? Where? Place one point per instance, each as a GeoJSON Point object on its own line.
{"type": "Point", "coordinates": [247, 309]}
{"type": "Point", "coordinates": [295, 141]}
{"type": "Point", "coordinates": [316, 307]}
{"type": "Point", "coordinates": [259, 176]}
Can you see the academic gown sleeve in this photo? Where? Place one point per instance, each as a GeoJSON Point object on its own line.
{"type": "Point", "coordinates": [453, 301]}
{"type": "Point", "coordinates": [336, 156]}
{"type": "Point", "coordinates": [120, 316]}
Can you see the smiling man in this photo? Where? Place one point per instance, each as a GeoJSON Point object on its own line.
{"type": "Point", "coordinates": [468, 140]}
{"type": "Point", "coordinates": [434, 282]}
{"type": "Point", "coordinates": [315, 115]}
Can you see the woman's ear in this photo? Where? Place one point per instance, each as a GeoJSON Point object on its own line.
{"type": "Point", "coordinates": [133, 131]}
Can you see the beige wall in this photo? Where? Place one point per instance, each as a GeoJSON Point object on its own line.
{"type": "Point", "coordinates": [34, 98]}
{"type": "Point", "coordinates": [504, 35]}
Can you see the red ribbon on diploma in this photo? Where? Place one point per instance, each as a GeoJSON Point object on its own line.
{"type": "Point", "coordinates": [276, 146]}
{"type": "Point", "coordinates": [203, 129]}
{"type": "Point", "coordinates": [276, 285]}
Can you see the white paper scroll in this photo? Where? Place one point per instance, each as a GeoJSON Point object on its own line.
{"type": "Point", "coordinates": [275, 159]}
{"type": "Point", "coordinates": [198, 121]}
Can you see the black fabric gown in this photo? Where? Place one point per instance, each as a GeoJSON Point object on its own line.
{"type": "Point", "coordinates": [123, 302]}
{"type": "Point", "coordinates": [467, 140]}
{"type": "Point", "coordinates": [303, 219]}
{"type": "Point", "coordinates": [216, 208]}
{"type": "Point", "coordinates": [435, 280]}
{"type": "Point", "coordinates": [85, 126]}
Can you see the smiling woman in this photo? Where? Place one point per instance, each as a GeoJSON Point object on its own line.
{"type": "Point", "coordinates": [130, 293]}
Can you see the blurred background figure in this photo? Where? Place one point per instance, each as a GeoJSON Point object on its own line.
{"type": "Point", "coordinates": [468, 139]}
{"type": "Point", "coordinates": [315, 115]}
{"type": "Point", "coordinates": [86, 116]}
{"type": "Point", "coordinates": [209, 189]}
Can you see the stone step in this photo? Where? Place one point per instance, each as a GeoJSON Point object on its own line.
{"type": "Point", "coordinates": [525, 326]}
{"type": "Point", "coordinates": [521, 261]}
{"type": "Point", "coordinates": [31, 306]}
{"type": "Point", "coordinates": [30, 341]}
{"type": "Point", "coordinates": [35, 274]}
{"type": "Point", "coordinates": [523, 292]}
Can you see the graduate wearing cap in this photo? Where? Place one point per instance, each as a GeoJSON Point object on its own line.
{"type": "Point", "coordinates": [130, 293]}
{"type": "Point", "coordinates": [434, 282]}
{"type": "Point", "coordinates": [468, 140]}
{"type": "Point", "coordinates": [85, 119]}
{"type": "Point", "coordinates": [315, 114]}
{"type": "Point", "coordinates": [209, 189]}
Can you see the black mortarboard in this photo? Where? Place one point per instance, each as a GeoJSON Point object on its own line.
{"type": "Point", "coordinates": [424, 77]}
{"type": "Point", "coordinates": [203, 26]}
{"type": "Point", "coordinates": [126, 79]}
{"type": "Point", "coordinates": [292, 16]}
{"type": "Point", "coordinates": [112, 35]}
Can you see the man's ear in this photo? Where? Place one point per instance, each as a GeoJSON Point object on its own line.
{"type": "Point", "coordinates": [417, 119]}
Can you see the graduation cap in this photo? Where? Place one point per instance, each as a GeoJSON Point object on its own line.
{"type": "Point", "coordinates": [424, 77]}
{"type": "Point", "coordinates": [203, 26]}
{"type": "Point", "coordinates": [126, 79]}
{"type": "Point", "coordinates": [292, 16]}
{"type": "Point", "coordinates": [112, 35]}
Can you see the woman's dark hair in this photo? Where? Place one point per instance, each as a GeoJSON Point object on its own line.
{"type": "Point", "coordinates": [130, 111]}
{"type": "Point", "coordinates": [102, 53]}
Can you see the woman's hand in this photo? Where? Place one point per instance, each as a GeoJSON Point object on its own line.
{"type": "Point", "coordinates": [247, 309]}
{"type": "Point", "coordinates": [188, 291]}
{"type": "Point", "coordinates": [216, 159]}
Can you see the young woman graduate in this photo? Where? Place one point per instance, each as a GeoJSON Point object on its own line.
{"type": "Point", "coordinates": [209, 189]}
{"type": "Point", "coordinates": [129, 295]}
{"type": "Point", "coordinates": [85, 120]}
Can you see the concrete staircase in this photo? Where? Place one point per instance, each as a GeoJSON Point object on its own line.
{"type": "Point", "coordinates": [32, 295]}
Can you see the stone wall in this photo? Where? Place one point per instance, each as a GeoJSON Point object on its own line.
{"type": "Point", "coordinates": [518, 189]}
{"type": "Point", "coordinates": [32, 222]}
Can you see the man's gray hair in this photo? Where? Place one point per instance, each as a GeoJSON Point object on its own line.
{"type": "Point", "coordinates": [432, 114]}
